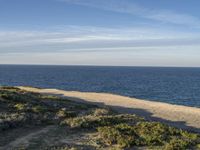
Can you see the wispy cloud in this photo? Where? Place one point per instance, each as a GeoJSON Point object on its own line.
{"type": "Point", "coordinates": [77, 38]}
{"type": "Point", "coordinates": [166, 16]}
{"type": "Point", "coordinates": [142, 57]}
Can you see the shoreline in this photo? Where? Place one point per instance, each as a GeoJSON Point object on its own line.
{"type": "Point", "coordinates": [180, 116]}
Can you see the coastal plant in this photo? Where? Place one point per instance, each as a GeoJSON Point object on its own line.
{"type": "Point", "coordinates": [108, 129]}
{"type": "Point", "coordinates": [39, 109]}
{"type": "Point", "coordinates": [147, 134]}
{"type": "Point", "coordinates": [20, 106]}
{"type": "Point", "coordinates": [177, 144]}
{"type": "Point", "coordinates": [64, 113]}
{"type": "Point", "coordinates": [91, 121]}
{"type": "Point", "coordinates": [189, 136]}
{"type": "Point", "coordinates": [152, 133]}
{"type": "Point", "coordinates": [26, 108]}
{"type": "Point", "coordinates": [12, 120]}
{"type": "Point", "coordinates": [101, 111]}
{"type": "Point", "coordinates": [121, 134]}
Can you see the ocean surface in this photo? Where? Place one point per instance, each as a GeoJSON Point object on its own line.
{"type": "Point", "coordinates": [171, 85]}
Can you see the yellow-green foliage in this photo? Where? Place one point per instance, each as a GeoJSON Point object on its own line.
{"type": "Point", "coordinates": [64, 113]}
{"type": "Point", "coordinates": [33, 108]}
{"type": "Point", "coordinates": [147, 134]}
{"type": "Point", "coordinates": [20, 106]}
{"type": "Point", "coordinates": [91, 121]}
{"type": "Point", "coordinates": [121, 134]}
{"type": "Point", "coordinates": [38, 109]}
{"type": "Point", "coordinates": [152, 133]}
{"type": "Point", "coordinates": [189, 136]}
{"type": "Point", "coordinates": [198, 146]}
{"type": "Point", "coordinates": [101, 112]}
{"type": "Point", "coordinates": [177, 144]}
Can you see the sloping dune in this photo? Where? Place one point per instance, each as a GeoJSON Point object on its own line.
{"type": "Point", "coordinates": [176, 115]}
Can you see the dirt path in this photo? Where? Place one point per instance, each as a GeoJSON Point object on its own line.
{"type": "Point", "coordinates": [176, 115]}
{"type": "Point", "coordinates": [24, 141]}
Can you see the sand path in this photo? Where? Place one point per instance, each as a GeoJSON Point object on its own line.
{"type": "Point", "coordinates": [176, 115]}
{"type": "Point", "coordinates": [24, 141]}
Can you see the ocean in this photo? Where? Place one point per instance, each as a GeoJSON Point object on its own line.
{"type": "Point", "coordinates": [164, 84]}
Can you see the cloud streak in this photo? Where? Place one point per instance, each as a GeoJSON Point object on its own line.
{"type": "Point", "coordinates": [77, 38]}
{"type": "Point", "coordinates": [166, 16]}
{"type": "Point", "coordinates": [127, 58]}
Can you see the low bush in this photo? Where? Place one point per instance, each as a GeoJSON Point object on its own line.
{"type": "Point", "coordinates": [122, 135]}
{"type": "Point", "coordinates": [64, 113]}
{"type": "Point", "coordinates": [152, 133]}
{"type": "Point", "coordinates": [147, 134]}
{"type": "Point", "coordinates": [101, 112]}
{"type": "Point", "coordinates": [35, 108]}
{"type": "Point", "coordinates": [39, 109]}
{"type": "Point", "coordinates": [91, 121]}
{"type": "Point", "coordinates": [9, 121]}
{"type": "Point", "coordinates": [20, 106]}
{"type": "Point", "coordinates": [177, 144]}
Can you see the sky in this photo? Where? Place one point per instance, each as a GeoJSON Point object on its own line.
{"type": "Point", "coordinates": [100, 32]}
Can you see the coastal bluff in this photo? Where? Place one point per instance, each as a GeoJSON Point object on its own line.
{"type": "Point", "coordinates": [176, 115]}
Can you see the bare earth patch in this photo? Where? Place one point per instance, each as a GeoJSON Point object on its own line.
{"type": "Point", "coordinates": [24, 140]}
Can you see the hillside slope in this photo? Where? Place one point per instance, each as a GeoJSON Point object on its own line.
{"type": "Point", "coordinates": [34, 121]}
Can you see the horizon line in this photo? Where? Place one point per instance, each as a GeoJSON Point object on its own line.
{"type": "Point", "coordinates": [147, 66]}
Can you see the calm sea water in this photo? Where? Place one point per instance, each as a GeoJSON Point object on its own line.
{"type": "Point", "coordinates": [171, 85]}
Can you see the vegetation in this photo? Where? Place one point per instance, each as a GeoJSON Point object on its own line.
{"type": "Point", "coordinates": [148, 134]}
{"type": "Point", "coordinates": [21, 108]}
{"type": "Point", "coordinates": [35, 121]}
{"type": "Point", "coordinates": [92, 122]}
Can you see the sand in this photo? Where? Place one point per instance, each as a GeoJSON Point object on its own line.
{"type": "Point", "coordinates": [176, 115]}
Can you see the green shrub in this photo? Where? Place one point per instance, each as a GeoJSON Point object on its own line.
{"type": "Point", "coordinates": [20, 106]}
{"type": "Point", "coordinates": [91, 121]}
{"type": "Point", "coordinates": [13, 120]}
{"type": "Point", "coordinates": [198, 146]}
{"type": "Point", "coordinates": [9, 88]}
{"type": "Point", "coordinates": [64, 113]}
{"type": "Point", "coordinates": [152, 133]}
{"type": "Point", "coordinates": [189, 136]}
{"type": "Point", "coordinates": [39, 109]}
{"type": "Point", "coordinates": [177, 144]}
{"type": "Point", "coordinates": [147, 134]}
{"type": "Point", "coordinates": [121, 134]}
{"type": "Point", "coordinates": [101, 112]}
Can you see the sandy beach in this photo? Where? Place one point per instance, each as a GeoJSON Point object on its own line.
{"type": "Point", "coordinates": [175, 115]}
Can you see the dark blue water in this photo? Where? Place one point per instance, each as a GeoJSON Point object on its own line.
{"type": "Point", "coordinates": [171, 85]}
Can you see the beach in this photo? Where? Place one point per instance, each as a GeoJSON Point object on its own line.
{"type": "Point", "coordinates": [176, 115]}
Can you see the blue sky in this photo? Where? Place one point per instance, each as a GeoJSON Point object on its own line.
{"type": "Point", "coordinates": [100, 32]}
